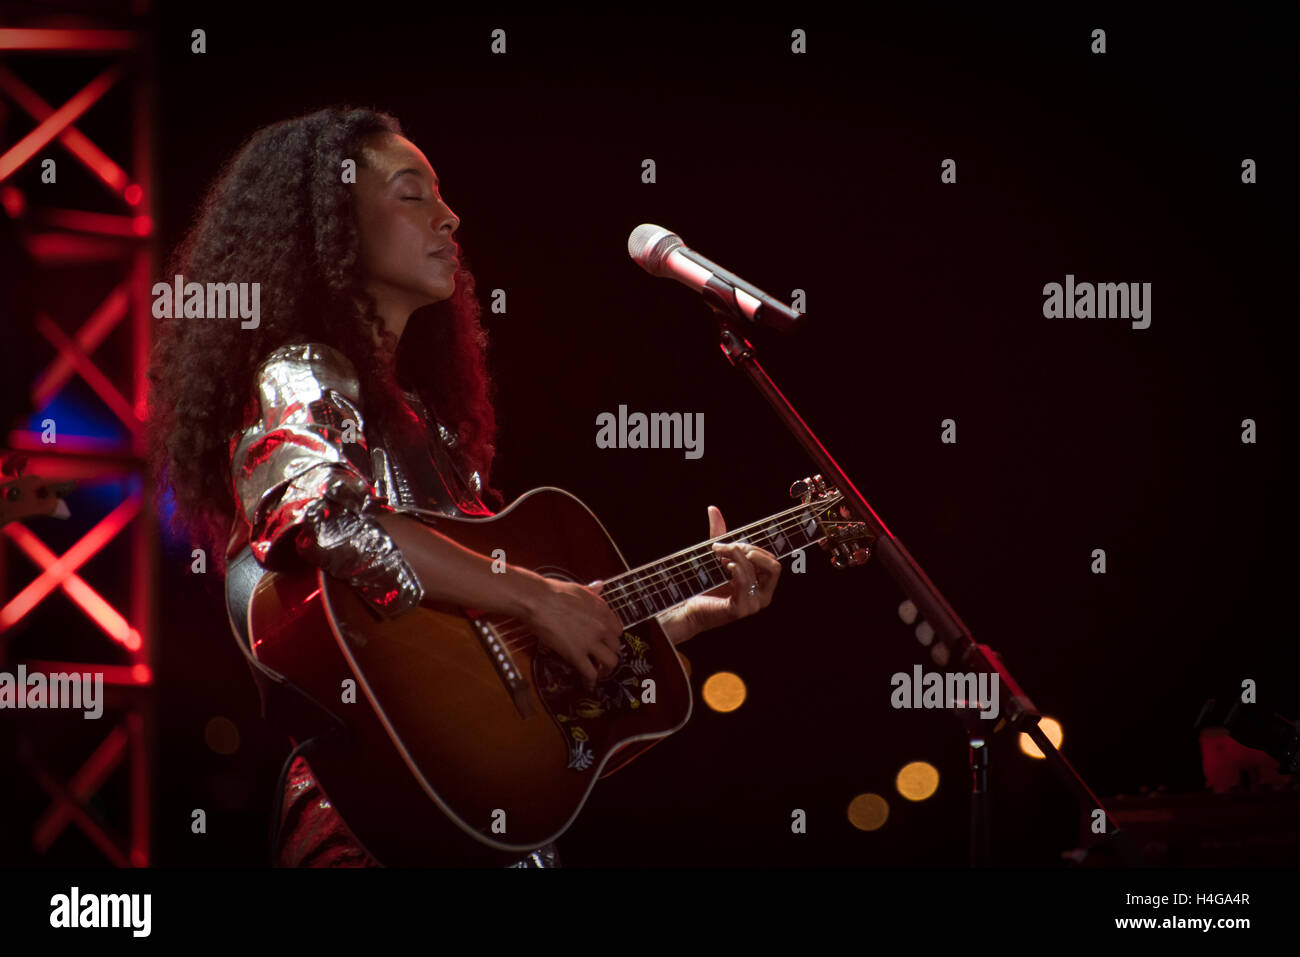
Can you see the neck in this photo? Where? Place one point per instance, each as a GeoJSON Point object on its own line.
{"type": "Point", "coordinates": [393, 312]}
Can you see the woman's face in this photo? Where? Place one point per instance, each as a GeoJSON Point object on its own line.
{"type": "Point", "coordinates": [406, 229]}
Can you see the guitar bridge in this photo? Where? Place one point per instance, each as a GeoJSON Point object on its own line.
{"type": "Point", "coordinates": [504, 663]}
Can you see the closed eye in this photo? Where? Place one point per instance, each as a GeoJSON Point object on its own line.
{"type": "Point", "coordinates": [417, 199]}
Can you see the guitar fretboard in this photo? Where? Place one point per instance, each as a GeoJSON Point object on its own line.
{"type": "Point", "coordinates": [650, 590]}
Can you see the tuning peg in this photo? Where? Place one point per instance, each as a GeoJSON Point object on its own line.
{"type": "Point", "coordinates": [846, 556]}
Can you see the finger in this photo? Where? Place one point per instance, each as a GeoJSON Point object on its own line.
{"type": "Point", "coordinates": [724, 553]}
{"type": "Point", "coordinates": [586, 669]}
{"type": "Point", "coordinates": [728, 549]}
{"type": "Point", "coordinates": [614, 643]}
{"type": "Point", "coordinates": [604, 655]}
{"type": "Point", "coordinates": [755, 573]}
{"type": "Point", "coordinates": [758, 558]}
{"type": "Point", "coordinates": [744, 566]}
{"type": "Point", "coordinates": [732, 553]}
{"type": "Point", "coordinates": [744, 576]}
{"type": "Point", "coordinates": [716, 525]}
{"type": "Point", "coordinates": [742, 601]}
{"type": "Point", "coordinates": [766, 567]}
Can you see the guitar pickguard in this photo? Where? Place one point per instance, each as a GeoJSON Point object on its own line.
{"type": "Point", "coordinates": [575, 709]}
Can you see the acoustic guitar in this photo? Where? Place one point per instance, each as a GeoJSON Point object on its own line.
{"type": "Point", "coordinates": [457, 738]}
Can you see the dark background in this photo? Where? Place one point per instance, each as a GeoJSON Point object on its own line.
{"type": "Point", "coordinates": [821, 172]}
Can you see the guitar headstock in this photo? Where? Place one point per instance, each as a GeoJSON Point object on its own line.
{"type": "Point", "coordinates": [848, 541]}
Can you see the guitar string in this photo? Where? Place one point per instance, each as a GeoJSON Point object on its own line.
{"type": "Point", "coordinates": [708, 559]}
{"type": "Point", "coordinates": [831, 501]}
{"type": "Point", "coordinates": [637, 586]}
{"type": "Point", "coordinates": [627, 600]}
{"type": "Point", "coordinates": [791, 518]}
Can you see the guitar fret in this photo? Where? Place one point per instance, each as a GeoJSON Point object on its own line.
{"type": "Point", "coordinates": [641, 601]}
{"type": "Point", "coordinates": [717, 569]}
{"type": "Point", "coordinates": [700, 573]}
{"type": "Point", "coordinates": [634, 599]}
{"type": "Point", "coordinates": [776, 538]}
{"type": "Point", "coordinates": [618, 601]}
{"type": "Point", "coordinates": [643, 597]}
{"type": "Point", "coordinates": [717, 574]}
{"type": "Point", "coordinates": [673, 590]}
{"type": "Point", "coordinates": [679, 583]}
{"type": "Point", "coordinates": [646, 597]}
{"type": "Point", "coordinates": [657, 586]}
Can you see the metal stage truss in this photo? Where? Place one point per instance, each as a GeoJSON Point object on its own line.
{"type": "Point", "coordinates": [101, 344]}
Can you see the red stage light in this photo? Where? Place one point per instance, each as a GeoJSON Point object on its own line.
{"type": "Point", "coordinates": [15, 203]}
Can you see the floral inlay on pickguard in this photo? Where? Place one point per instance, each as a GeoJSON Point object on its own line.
{"type": "Point", "coordinates": [575, 708]}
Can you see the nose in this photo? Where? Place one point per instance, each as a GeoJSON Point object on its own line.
{"type": "Point", "coordinates": [445, 218]}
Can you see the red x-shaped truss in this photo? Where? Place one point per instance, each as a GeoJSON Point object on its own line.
{"type": "Point", "coordinates": [60, 237]}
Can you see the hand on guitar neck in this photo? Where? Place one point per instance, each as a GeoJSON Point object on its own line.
{"type": "Point", "coordinates": [754, 573]}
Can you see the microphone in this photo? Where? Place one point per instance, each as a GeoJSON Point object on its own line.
{"type": "Point", "coordinates": [661, 253]}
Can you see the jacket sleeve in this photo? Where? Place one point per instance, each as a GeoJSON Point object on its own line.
{"type": "Point", "coordinates": [299, 490]}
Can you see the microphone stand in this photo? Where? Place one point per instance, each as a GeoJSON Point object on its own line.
{"type": "Point", "coordinates": [951, 639]}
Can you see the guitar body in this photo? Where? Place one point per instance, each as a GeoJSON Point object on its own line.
{"type": "Point", "coordinates": [446, 761]}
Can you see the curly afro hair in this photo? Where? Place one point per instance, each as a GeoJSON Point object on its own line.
{"type": "Point", "coordinates": [279, 214]}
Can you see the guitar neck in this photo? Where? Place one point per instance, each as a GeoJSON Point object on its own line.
{"type": "Point", "coordinates": [650, 590]}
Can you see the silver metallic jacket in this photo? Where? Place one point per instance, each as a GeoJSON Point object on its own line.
{"type": "Point", "coordinates": [300, 476]}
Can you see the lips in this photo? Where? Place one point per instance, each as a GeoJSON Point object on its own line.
{"type": "Point", "coordinates": [447, 253]}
